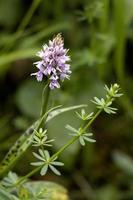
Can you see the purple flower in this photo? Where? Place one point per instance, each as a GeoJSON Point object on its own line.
{"type": "Point", "coordinates": [54, 62]}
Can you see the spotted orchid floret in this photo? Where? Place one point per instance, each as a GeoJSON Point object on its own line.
{"type": "Point", "coordinates": [54, 62]}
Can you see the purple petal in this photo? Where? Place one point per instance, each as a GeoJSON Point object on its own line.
{"type": "Point", "coordinates": [39, 75]}
{"type": "Point", "coordinates": [54, 84]}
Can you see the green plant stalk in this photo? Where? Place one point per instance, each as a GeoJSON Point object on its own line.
{"type": "Point", "coordinates": [27, 176]}
{"type": "Point", "coordinates": [28, 16]}
{"type": "Point", "coordinates": [24, 141]}
{"type": "Point", "coordinates": [78, 135]}
{"type": "Point", "coordinates": [63, 148]}
{"type": "Point", "coordinates": [104, 19]}
{"type": "Point", "coordinates": [120, 34]}
{"type": "Point", "coordinates": [23, 24]}
{"type": "Point", "coordinates": [45, 98]}
{"type": "Point", "coordinates": [119, 56]}
{"type": "Point", "coordinates": [81, 131]}
{"type": "Point", "coordinates": [40, 123]}
{"type": "Point", "coordinates": [104, 29]}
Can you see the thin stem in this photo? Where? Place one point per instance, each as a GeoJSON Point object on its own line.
{"type": "Point", "coordinates": [90, 122]}
{"type": "Point", "coordinates": [119, 56]}
{"type": "Point", "coordinates": [28, 15]}
{"type": "Point", "coordinates": [27, 176]}
{"type": "Point", "coordinates": [104, 27]}
{"type": "Point", "coordinates": [22, 25]}
{"type": "Point", "coordinates": [45, 98]}
{"type": "Point", "coordinates": [76, 137]}
{"type": "Point", "coordinates": [63, 148]}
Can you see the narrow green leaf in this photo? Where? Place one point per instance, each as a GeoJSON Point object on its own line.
{"type": "Point", "coordinates": [4, 195]}
{"type": "Point", "coordinates": [62, 110]}
{"type": "Point", "coordinates": [81, 140]}
{"type": "Point", "coordinates": [72, 129]}
{"type": "Point", "coordinates": [37, 163]}
{"type": "Point", "coordinates": [54, 170]}
{"type": "Point", "coordinates": [44, 170]}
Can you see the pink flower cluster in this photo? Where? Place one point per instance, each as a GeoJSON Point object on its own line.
{"type": "Point", "coordinates": [54, 62]}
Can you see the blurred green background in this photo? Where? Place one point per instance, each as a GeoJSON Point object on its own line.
{"type": "Point", "coordinates": [99, 34]}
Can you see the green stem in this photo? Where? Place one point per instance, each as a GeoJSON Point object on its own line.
{"type": "Point", "coordinates": [27, 176]}
{"type": "Point", "coordinates": [45, 98]}
{"type": "Point", "coordinates": [90, 122]}
{"type": "Point", "coordinates": [28, 15]}
{"type": "Point", "coordinates": [104, 28]}
{"type": "Point", "coordinates": [81, 131]}
{"type": "Point", "coordinates": [120, 34]}
{"type": "Point", "coordinates": [119, 56]}
{"type": "Point", "coordinates": [63, 148]}
{"type": "Point", "coordinates": [76, 137]}
{"type": "Point", "coordinates": [22, 25]}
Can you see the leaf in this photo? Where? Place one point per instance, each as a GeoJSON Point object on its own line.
{"type": "Point", "coordinates": [44, 170]}
{"type": "Point", "coordinates": [37, 163]}
{"type": "Point", "coordinates": [89, 139]}
{"type": "Point", "coordinates": [46, 190]}
{"type": "Point", "coordinates": [81, 139]}
{"type": "Point", "coordinates": [47, 155]}
{"type": "Point", "coordinates": [57, 163]}
{"type": "Point", "coordinates": [10, 179]}
{"type": "Point", "coordinates": [124, 162]}
{"type": "Point", "coordinates": [62, 137]}
{"type": "Point", "coordinates": [72, 129]}
{"type": "Point", "coordinates": [54, 170]}
{"type": "Point", "coordinates": [4, 195]}
{"type": "Point", "coordinates": [25, 140]}
{"type": "Point", "coordinates": [62, 110]}
{"type": "Point", "coordinates": [38, 156]}
{"type": "Point", "coordinates": [109, 192]}
{"type": "Point", "coordinates": [19, 54]}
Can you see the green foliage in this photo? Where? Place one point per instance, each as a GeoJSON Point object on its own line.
{"type": "Point", "coordinates": [82, 136]}
{"type": "Point", "coordinates": [84, 116]}
{"type": "Point", "coordinates": [10, 179]}
{"type": "Point", "coordinates": [105, 104]}
{"type": "Point", "coordinates": [40, 138]}
{"type": "Point", "coordinates": [46, 162]}
{"type": "Point", "coordinates": [36, 190]}
{"type": "Point", "coordinates": [25, 140]}
{"type": "Point", "coordinates": [99, 34]}
{"type": "Point", "coordinates": [124, 162]}
{"type": "Point", "coordinates": [5, 195]}
{"type": "Point", "coordinates": [47, 190]}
